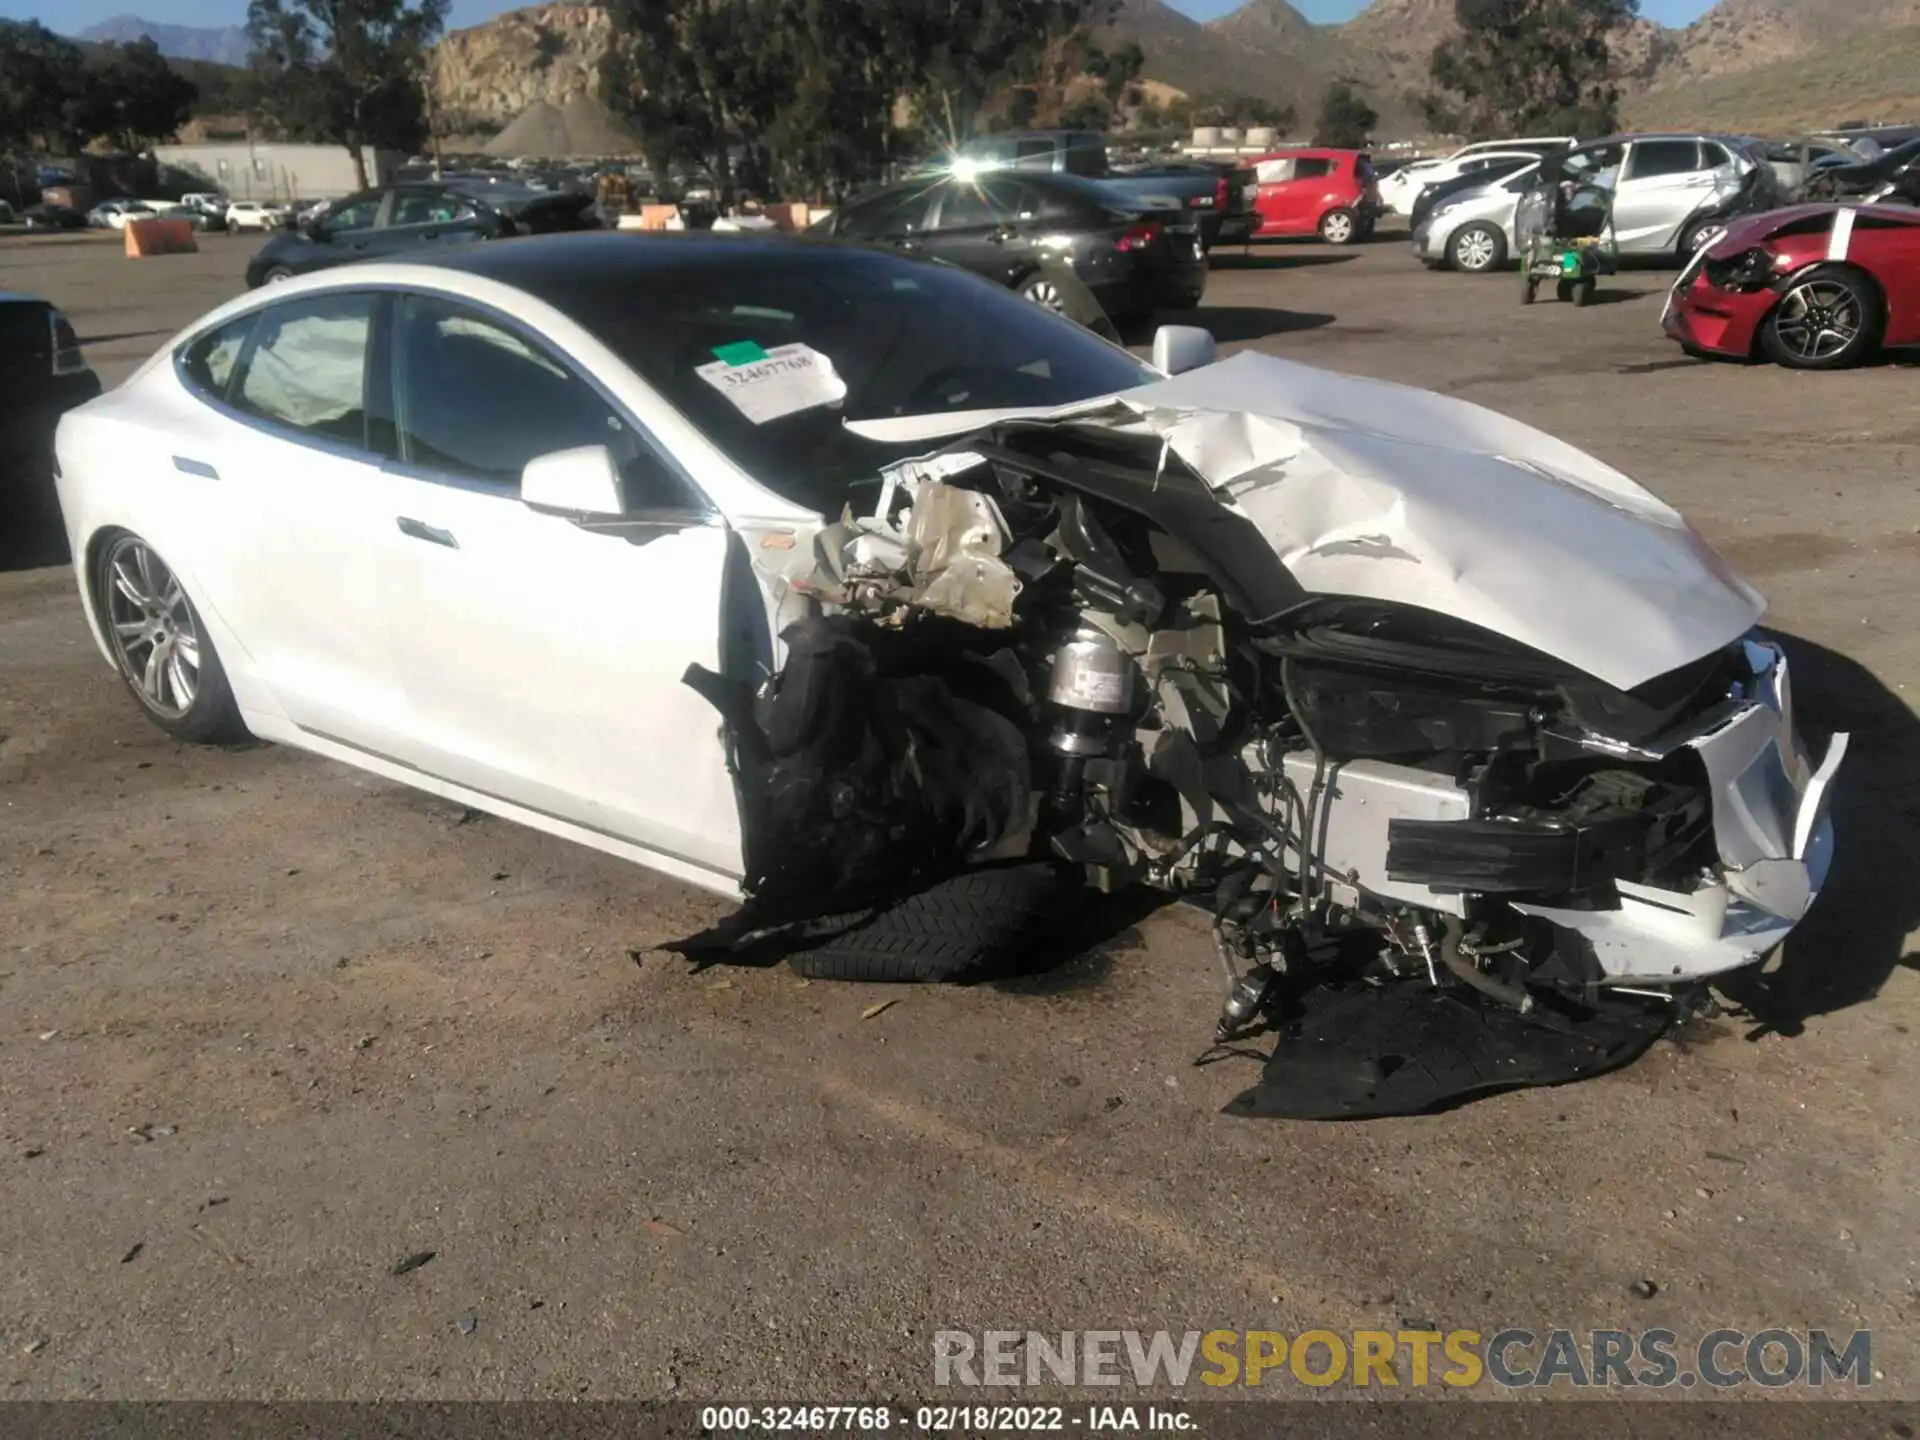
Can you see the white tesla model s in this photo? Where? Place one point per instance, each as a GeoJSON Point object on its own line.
{"type": "Point", "coordinates": [852, 584]}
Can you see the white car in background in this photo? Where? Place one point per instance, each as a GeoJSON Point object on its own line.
{"type": "Point", "coordinates": [114, 214]}
{"type": "Point", "coordinates": [1399, 190]}
{"type": "Point", "coordinates": [256, 215]}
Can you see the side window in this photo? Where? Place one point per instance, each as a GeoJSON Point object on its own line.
{"type": "Point", "coordinates": [1309, 167]}
{"type": "Point", "coordinates": [974, 205]}
{"type": "Point", "coordinates": [306, 367]}
{"type": "Point", "coordinates": [902, 212]}
{"type": "Point", "coordinates": [476, 400]}
{"type": "Point", "coordinates": [209, 362]}
{"type": "Point", "coordinates": [1653, 158]}
{"type": "Point", "coordinates": [429, 209]}
{"type": "Point", "coordinates": [351, 215]}
{"type": "Point", "coordinates": [1033, 154]}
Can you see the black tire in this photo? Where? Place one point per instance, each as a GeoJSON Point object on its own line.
{"type": "Point", "coordinates": [1583, 292]}
{"type": "Point", "coordinates": [1495, 251]}
{"type": "Point", "coordinates": [958, 928]}
{"type": "Point", "coordinates": [1870, 308]}
{"type": "Point", "coordinates": [213, 717]}
{"type": "Point", "coordinates": [1563, 290]}
{"type": "Point", "coordinates": [274, 274]}
{"type": "Point", "coordinates": [1690, 236]}
{"type": "Point", "coordinates": [1529, 288]}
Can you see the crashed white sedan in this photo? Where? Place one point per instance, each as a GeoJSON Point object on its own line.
{"type": "Point", "coordinates": [864, 590]}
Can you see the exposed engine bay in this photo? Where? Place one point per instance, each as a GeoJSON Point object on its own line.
{"type": "Point", "coordinates": [1438, 858]}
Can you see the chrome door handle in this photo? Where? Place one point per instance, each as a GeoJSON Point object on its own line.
{"type": "Point", "coordinates": [432, 534]}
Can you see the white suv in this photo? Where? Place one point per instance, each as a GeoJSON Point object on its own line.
{"type": "Point", "coordinates": [255, 215]}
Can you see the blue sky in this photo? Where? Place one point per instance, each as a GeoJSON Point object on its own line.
{"type": "Point", "coordinates": [72, 15]}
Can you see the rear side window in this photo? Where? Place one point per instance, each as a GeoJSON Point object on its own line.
{"type": "Point", "coordinates": [1653, 158]}
{"type": "Point", "coordinates": [1311, 167]}
{"type": "Point", "coordinates": [305, 367]}
{"type": "Point", "coordinates": [210, 361]}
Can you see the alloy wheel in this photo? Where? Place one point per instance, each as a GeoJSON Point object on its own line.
{"type": "Point", "coordinates": [1045, 294]}
{"type": "Point", "coordinates": [1473, 250]}
{"type": "Point", "coordinates": [156, 635]}
{"type": "Point", "coordinates": [1818, 319]}
{"type": "Point", "coordinates": [1337, 229]}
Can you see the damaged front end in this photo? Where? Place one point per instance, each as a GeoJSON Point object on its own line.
{"type": "Point", "coordinates": [1464, 741]}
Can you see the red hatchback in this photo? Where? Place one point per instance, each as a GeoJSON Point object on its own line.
{"type": "Point", "coordinates": [1329, 193]}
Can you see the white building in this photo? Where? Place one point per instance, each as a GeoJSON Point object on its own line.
{"type": "Point", "coordinates": [276, 170]}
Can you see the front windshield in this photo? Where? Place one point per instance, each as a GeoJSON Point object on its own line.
{"type": "Point", "coordinates": [904, 337]}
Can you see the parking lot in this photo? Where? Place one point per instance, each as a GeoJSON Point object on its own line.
{"type": "Point", "coordinates": [269, 1025]}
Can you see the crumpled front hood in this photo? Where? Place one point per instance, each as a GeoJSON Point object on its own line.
{"type": "Point", "coordinates": [1372, 489]}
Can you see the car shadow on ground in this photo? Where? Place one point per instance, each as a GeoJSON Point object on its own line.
{"type": "Point", "coordinates": [1856, 934]}
{"type": "Point", "coordinates": [1268, 260]}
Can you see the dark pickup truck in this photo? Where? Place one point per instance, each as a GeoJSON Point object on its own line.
{"type": "Point", "coordinates": [42, 376]}
{"type": "Point", "coordinates": [1218, 194]}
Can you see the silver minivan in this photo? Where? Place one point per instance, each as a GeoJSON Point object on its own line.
{"type": "Point", "coordinates": [1668, 191]}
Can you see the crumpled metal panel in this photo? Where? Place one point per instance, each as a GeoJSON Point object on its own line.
{"type": "Point", "coordinates": [1372, 489]}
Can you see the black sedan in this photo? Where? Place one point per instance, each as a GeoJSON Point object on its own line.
{"type": "Point", "coordinates": [1136, 256]}
{"type": "Point", "coordinates": [398, 220]}
{"type": "Point", "coordinates": [42, 376]}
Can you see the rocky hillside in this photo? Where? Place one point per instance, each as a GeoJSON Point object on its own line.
{"type": "Point", "coordinates": [490, 74]}
{"type": "Point", "coordinates": [486, 76]}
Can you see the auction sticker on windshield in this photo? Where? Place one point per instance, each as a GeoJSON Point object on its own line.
{"type": "Point", "coordinates": [765, 385]}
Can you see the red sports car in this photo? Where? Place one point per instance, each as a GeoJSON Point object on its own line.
{"type": "Point", "coordinates": [1814, 287]}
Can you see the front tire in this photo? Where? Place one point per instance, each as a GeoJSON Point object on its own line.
{"type": "Point", "coordinates": [964, 926]}
{"type": "Point", "coordinates": [1829, 319]}
{"type": "Point", "coordinates": [276, 275]}
{"type": "Point", "coordinates": [160, 644]}
{"type": "Point", "coordinates": [1477, 248]}
{"type": "Point", "coordinates": [1339, 227]}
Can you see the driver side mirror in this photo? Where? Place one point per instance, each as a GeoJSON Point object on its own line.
{"type": "Point", "coordinates": [581, 481]}
{"type": "Point", "coordinates": [1178, 348]}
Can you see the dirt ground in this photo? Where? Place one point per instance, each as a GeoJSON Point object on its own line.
{"type": "Point", "coordinates": [268, 1026]}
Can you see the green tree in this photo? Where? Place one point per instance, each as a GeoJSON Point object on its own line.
{"type": "Point", "coordinates": [1246, 110]}
{"type": "Point", "coordinates": [346, 71]}
{"type": "Point", "coordinates": [954, 55]}
{"type": "Point", "coordinates": [42, 84]}
{"type": "Point", "coordinates": [1346, 119]}
{"type": "Point", "coordinates": [1524, 67]}
{"type": "Point", "coordinates": [132, 96]}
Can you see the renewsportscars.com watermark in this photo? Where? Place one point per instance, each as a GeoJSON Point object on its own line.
{"type": "Point", "coordinates": [1513, 1359]}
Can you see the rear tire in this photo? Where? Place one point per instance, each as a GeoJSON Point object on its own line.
{"type": "Point", "coordinates": [1339, 227]}
{"type": "Point", "coordinates": [160, 644]}
{"type": "Point", "coordinates": [958, 928]}
{"type": "Point", "coordinates": [1583, 291]}
{"type": "Point", "coordinates": [276, 275]}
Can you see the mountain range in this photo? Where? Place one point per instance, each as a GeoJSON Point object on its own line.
{"type": "Point", "coordinates": [1755, 63]}
{"type": "Point", "coordinates": [223, 45]}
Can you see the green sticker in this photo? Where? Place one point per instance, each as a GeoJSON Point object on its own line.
{"type": "Point", "coordinates": [740, 352]}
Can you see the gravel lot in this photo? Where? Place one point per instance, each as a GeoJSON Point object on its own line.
{"type": "Point", "coordinates": [268, 1026]}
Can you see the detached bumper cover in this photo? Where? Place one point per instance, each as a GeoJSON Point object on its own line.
{"type": "Point", "coordinates": [1774, 838]}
